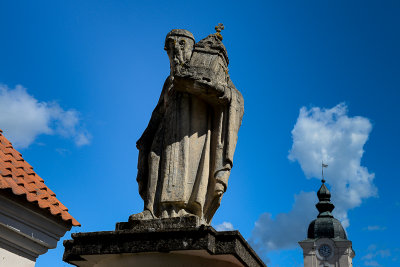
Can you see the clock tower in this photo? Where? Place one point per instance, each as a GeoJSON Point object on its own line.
{"type": "Point", "coordinates": [326, 244]}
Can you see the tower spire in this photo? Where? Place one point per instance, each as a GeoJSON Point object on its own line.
{"type": "Point", "coordinates": [326, 243]}
{"type": "Point", "coordinates": [324, 206]}
{"type": "Point", "coordinates": [323, 166]}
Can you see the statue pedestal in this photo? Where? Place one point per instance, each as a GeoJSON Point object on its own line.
{"type": "Point", "coordinates": [160, 242]}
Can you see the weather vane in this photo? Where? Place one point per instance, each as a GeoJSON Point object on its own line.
{"type": "Point", "coordinates": [218, 29]}
{"type": "Point", "coordinates": [323, 166]}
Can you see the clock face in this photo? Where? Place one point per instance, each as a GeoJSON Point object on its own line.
{"type": "Point", "coordinates": [325, 251]}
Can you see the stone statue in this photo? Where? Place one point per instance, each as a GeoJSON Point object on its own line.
{"type": "Point", "coordinates": [186, 151]}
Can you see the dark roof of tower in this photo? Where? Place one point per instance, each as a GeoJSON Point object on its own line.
{"type": "Point", "coordinates": [325, 226]}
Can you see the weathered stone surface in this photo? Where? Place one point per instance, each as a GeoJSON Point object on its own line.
{"type": "Point", "coordinates": [161, 239]}
{"type": "Point", "coordinates": [186, 151]}
{"type": "Point", "coordinates": [159, 224]}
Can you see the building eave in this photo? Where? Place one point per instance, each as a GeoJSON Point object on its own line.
{"type": "Point", "coordinates": [26, 231]}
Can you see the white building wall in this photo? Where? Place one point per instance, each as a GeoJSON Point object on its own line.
{"type": "Point", "coordinates": [25, 234]}
{"type": "Point", "coordinates": [8, 258]}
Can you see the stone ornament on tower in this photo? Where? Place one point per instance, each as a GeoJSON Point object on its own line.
{"type": "Point", "coordinates": [218, 29]}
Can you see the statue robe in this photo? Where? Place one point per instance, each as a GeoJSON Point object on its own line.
{"type": "Point", "coordinates": [188, 147]}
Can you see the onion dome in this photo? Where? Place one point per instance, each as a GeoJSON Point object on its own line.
{"type": "Point", "coordinates": [325, 226]}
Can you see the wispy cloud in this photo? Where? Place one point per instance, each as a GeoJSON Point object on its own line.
{"type": "Point", "coordinates": [337, 139]}
{"type": "Point", "coordinates": [375, 228]}
{"type": "Point", "coordinates": [23, 118]}
{"type": "Point", "coordinates": [225, 226]}
{"type": "Point", "coordinates": [371, 258]}
{"type": "Point", "coordinates": [371, 263]}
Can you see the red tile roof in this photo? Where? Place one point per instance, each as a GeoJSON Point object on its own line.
{"type": "Point", "coordinates": [16, 174]}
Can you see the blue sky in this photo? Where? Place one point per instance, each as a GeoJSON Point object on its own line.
{"type": "Point", "coordinates": [79, 80]}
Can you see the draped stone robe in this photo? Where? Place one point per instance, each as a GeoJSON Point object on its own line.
{"type": "Point", "coordinates": [188, 147]}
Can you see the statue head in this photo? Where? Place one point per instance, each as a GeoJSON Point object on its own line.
{"type": "Point", "coordinates": [179, 46]}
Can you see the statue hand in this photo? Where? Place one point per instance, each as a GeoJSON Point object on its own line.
{"type": "Point", "coordinates": [219, 189]}
{"type": "Point", "coordinates": [220, 89]}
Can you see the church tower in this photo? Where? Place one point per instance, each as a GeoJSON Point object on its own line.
{"type": "Point", "coordinates": [326, 244]}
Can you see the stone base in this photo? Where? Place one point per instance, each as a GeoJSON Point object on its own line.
{"type": "Point", "coordinates": [160, 242]}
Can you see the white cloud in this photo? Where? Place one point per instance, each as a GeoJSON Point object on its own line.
{"type": "Point", "coordinates": [225, 226]}
{"type": "Point", "coordinates": [337, 139]}
{"type": "Point", "coordinates": [285, 229]}
{"type": "Point", "coordinates": [23, 118]}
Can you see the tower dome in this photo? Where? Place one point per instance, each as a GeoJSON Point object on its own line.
{"type": "Point", "coordinates": [325, 226]}
{"type": "Point", "coordinates": [326, 243]}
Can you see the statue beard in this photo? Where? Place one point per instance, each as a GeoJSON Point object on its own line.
{"type": "Point", "coordinates": [177, 62]}
{"type": "Point", "coordinates": [178, 59]}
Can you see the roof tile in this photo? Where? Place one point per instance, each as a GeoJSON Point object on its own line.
{"type": "Point", "coordinates": [16, 174]}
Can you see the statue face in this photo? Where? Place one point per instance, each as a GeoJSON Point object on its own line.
{"type": "Point", "coordinates": [179, 50]}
